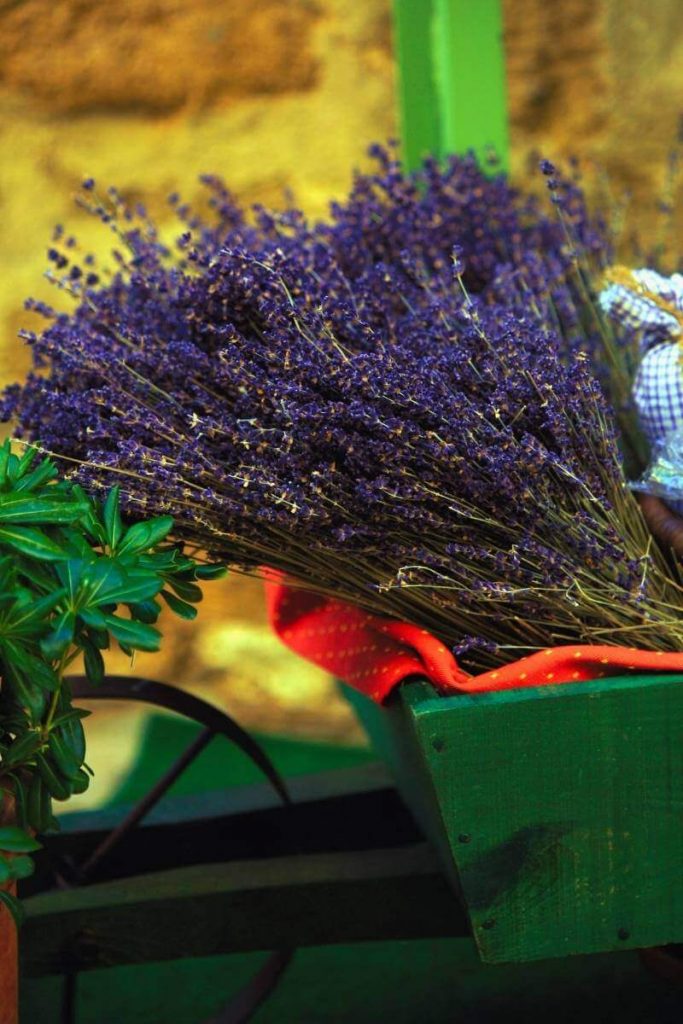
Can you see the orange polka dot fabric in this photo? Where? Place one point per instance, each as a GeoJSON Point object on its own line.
{"type": "Point", "coordinates": [374, 655]}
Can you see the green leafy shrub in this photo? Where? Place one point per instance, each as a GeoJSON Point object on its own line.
{"type": "Point", "coordinates": [69, 568]}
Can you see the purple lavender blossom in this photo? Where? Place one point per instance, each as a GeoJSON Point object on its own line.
{"type": "Point", "coordinates": [393, 406]}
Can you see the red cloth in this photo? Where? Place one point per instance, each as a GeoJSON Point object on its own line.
{"type": "Point", "coordinates": [375, 654]}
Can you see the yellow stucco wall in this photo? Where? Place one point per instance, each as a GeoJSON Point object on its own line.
{"type": "Point", "coordinates": [282, 95]}
{"type": "Point", "coordinates": [148, 94]}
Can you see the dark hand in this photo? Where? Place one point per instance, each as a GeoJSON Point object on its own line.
{"type": "Point", "coordinates": [664, 524]}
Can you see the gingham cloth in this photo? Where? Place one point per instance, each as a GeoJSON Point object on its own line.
{"type": "Point", "coordinates": [658, 387]}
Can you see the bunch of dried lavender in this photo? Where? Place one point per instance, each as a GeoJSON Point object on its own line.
{"type": "Point", "coordinates": [394, 407]}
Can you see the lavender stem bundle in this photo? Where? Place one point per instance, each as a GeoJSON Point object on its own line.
{"type": "Point", "coordinates": [396, 408]}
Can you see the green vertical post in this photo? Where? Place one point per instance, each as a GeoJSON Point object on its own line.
{"type": "Point", "coordinates": [467, 41]}
{"type": "Point", "coordinates": [451, 70]}
{"type": "Point", "coordinates": [417, 93]}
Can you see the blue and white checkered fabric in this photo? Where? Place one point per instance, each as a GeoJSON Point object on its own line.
{"type": "Point", "coordinates": [658, 392]}
{"type": "Point", "coordinates": [658, 388]}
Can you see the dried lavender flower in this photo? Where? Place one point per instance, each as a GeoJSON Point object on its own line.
{"type": "Point", "coordinates": [394, 406]}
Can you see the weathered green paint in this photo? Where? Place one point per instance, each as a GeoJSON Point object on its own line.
{"type": "Point", "coordinates": [560, 807]}
{"type": "Point", "coordinates": [451, 78]}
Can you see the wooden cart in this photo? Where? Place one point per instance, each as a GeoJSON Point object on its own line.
{"type": "Point", "coordinates": [557, 811]}
{"type": "Point", "coordinates": [546, 822]}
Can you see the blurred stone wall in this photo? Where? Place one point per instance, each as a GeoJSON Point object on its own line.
{"type": "Point", "coordinates": [602, 79]}
{"type": "Point", "coordinates": [281, 95]}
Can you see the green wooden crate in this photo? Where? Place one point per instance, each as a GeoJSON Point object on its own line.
{"type": "Point", "coordinates": [558, 811]}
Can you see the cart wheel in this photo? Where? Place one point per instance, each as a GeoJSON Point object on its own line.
{"type": "Point", "coordinates": [216, 723]}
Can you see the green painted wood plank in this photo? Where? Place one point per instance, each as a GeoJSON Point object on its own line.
{"type": "Point", "coordinates": [283, 902]}
{"type": "Point", "coordinates": [418, 99]}
{"type": "Point", "coordinates": [451, 78]}
{"type": "Point", "coordinates": [564, 811]}
{"type": "Point", "coordinates": [469, 71]}
{"type": "Point", "coordinates": [393, 734]}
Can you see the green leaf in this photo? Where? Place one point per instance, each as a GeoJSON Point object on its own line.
{"type": "Point", "coordinates": [22, 749]}
{"type": "Point", "coordinates": [94, 663]}
{"type": "Point", "coordinates": [90, 519]}
{"type": "Point", "coordinates": [22, 867]}
{"type": "Point", "coordinates": [5, 871]}
{"type": "Point", "coordinates": [146, 535]}
{"type": "Point", "coordinates": [145, 611]}
{"type": "Point", "coordinates": [43, 674]}
{"type": "Point", "coordinates": [27, 619]}
{"type": "Point", "coordinates": [70, 573]}
{"type": "Point", "coordinates": [106, 582]}
{"type": "Point", "coordinates": [41, 575]}
{"type": "Point", "coordinates": [57, 642]}
{"type": "Point", "coordinates": [42, 474]}
{"type": "Point", "coordinates": [28, 695]}
{"type": "Point", "coordinates": [98, 578]}
{"type": "Point", "coordinates": [8, 566]}
{"type": "Point", "coordinates": [12, 467]}
{"type": "Point", "coordinates": [74, 543]}
{"type": "Point", "coordinates": [134, 587]}
{"type": "Point", "coordinates": [14, 840]}
{"type": "Point", "coordinates": [41, 608]}
{"type": "Point", "coordinates": [134, 635]}
{"type": "Point", "coordinates": [81, 782]}
{"type": "Point", "coordinates": [14, 907]}
{"type": "Point", "coordinates": [72, 732]}
{"type": "Point", "coordinates": [165, 560]}
{"type": "Point", "coordinates": [7, 598]}
{"type": "Point", "coordinates": [21, 508]}
{"type": "Point", "coordinates": [38, 804]}
{"type": "Point", "coordinates": [181, 608]}
{"type": "Point", "coordinates": [187, 591]}
{"type": "Point", "coordinates": [19, 790]}
{"type": "Point", "coordinates": [26, 461]}
{"type": "Point", "coordinates": [31, 542]}
{"type": "Point", "coordinates": [211, 572]}
{"type": "Point", "coordinates": [76, 713]}
{"type": "Point", "coordinates": [32, 668]}
{"type": "Point", "coordinates": [100, 637]}
{"type": "Point", "coordinates": [53, 780]}
{"type": "Point", "coordinates": [62, 756]}
{"type": "Point", "coordinates": [112, 518]}
{"type": "Point", "coordinates": [4, 461]}
{"type": "Point", "coordinates": [93, 618]}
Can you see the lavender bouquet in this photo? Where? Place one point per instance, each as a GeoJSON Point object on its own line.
{"type": "Point", "coordinates": [396, 407]}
